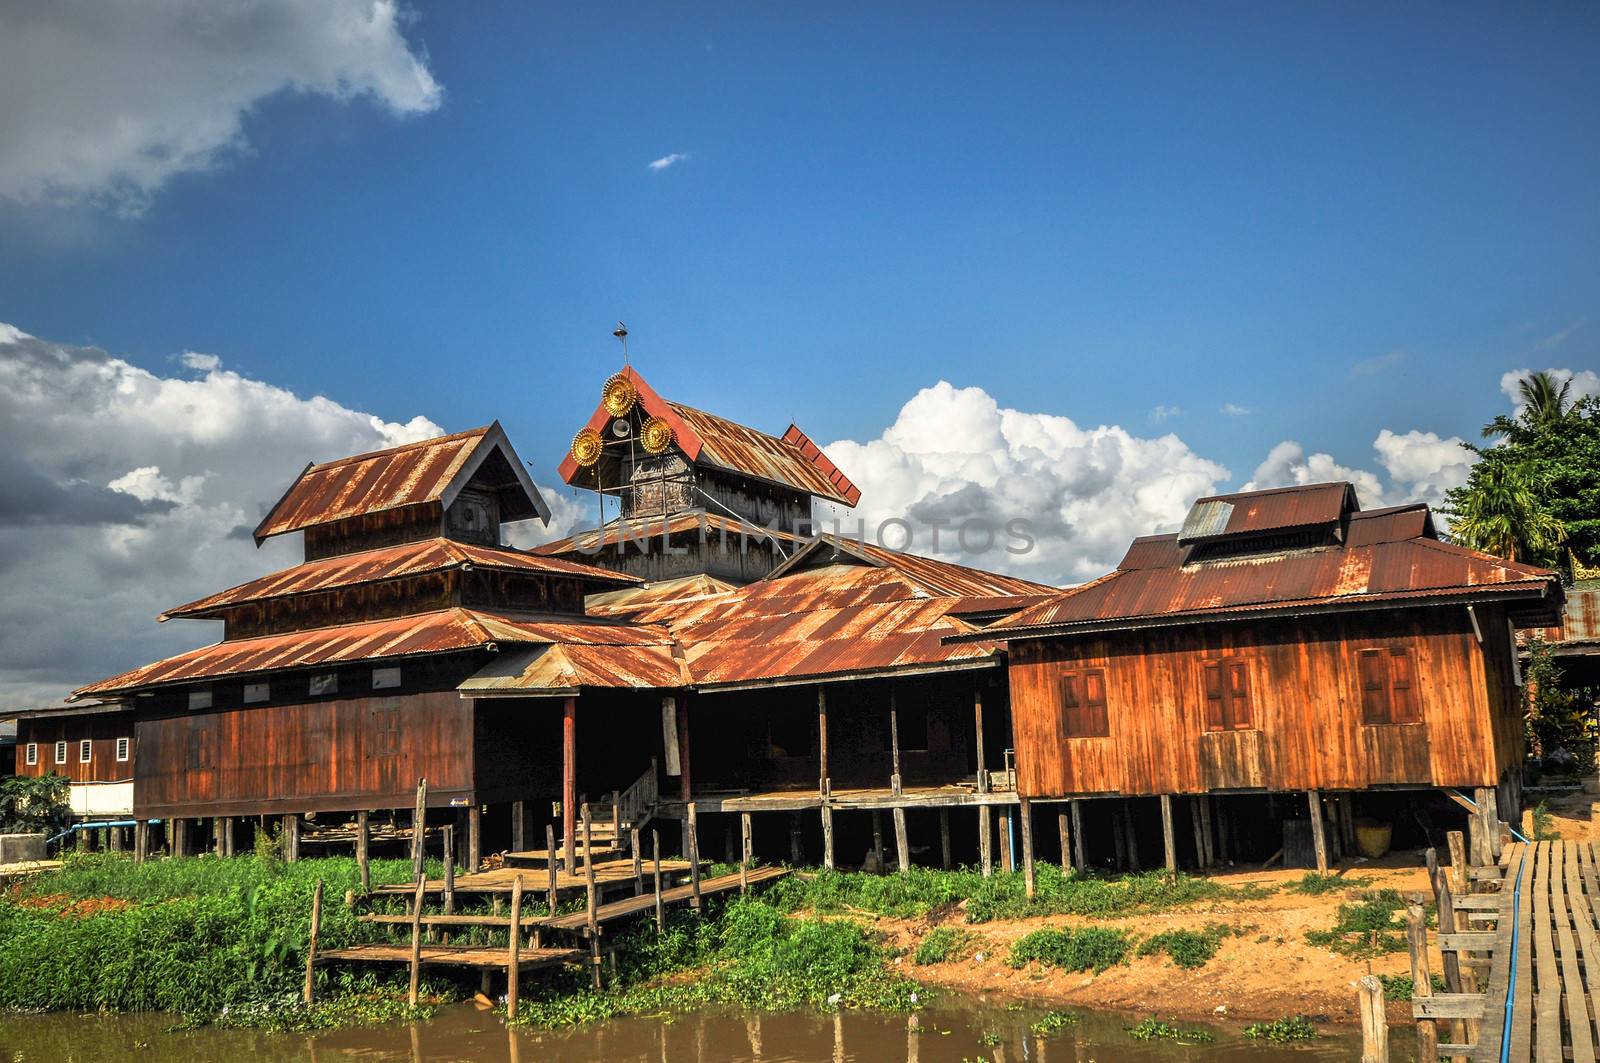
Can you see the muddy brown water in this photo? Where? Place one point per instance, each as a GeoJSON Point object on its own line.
{"type": "Point", "coordinates": [954, 1030]}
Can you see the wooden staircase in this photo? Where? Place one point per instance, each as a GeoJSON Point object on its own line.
{"type": "Point", "coordinates": [612, 827]}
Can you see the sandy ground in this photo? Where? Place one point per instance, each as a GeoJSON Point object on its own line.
{"type": "Point", "coordinates": [1266, 972]}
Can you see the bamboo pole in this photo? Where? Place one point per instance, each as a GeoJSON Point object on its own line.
{"type": "Point", "coordinates": [1319, 833]}
{"type": "Point", "coordinates": [550, 862]}
{"type": "Point", "coordinates": [514, 950]}
{"type": "Point", "coordinates": [311, 946]}
{"type": "Point", "coordinates": [416, 941]}
{"type": "Point", "coordinates": [363, 850]}
{"type": "Point", "coordinates": [1169, 839]}
{"type": "Point", "coordinates": [744, 852]}
{"type": "Point", "coordinates": [694, 857]}
{"type": "Point", "coordinates": [593, 902]}
{"type": "Point", "coordinates": [655, 857]}
{"type": "Point", "coordinates": [894, 742]}
{"type": "Point", "coordinates": [419, 826]}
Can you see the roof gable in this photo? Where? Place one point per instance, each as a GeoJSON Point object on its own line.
{"type": "Point", "coordinates": [1250, 513]}
{"type": "Point", "coordinates": [931, 576]}
{"type": "Point", "coordinates": [432, 471]}
{"type": "Point", "coordinates": [792, 461]}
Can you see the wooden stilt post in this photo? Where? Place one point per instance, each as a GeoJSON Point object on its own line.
{"type": "Point", "coordinates": [694, 858]}
{"type": "Point", "coordinates": [291, 842]}
{"type": "Point", "coordinates": [141, 841]}
{"type": "Point", "coordinates": [514, 950]}
{"type": "Point", "coordinates": [364, 851]}
{"type": "Point", "coordinates": [178, 837]}
{"type": "Point", "coordinates": [216, 836]}
{"type": "Point", "coordinates": [977, 743]}
{"type": "Point", "coordinates": [685, 787]}
{"type": "Point", "coordinates": [1064, 831]}
{"type": "Point", "coordinates": [311, 945]}
{"type": "Point", "coordinates": [1458, 862]}
{"type": "Point", "coordinates": [902, 844]}
{"type": "Point", "coordinates": [877, 838]}
{"type": "Point", "coordinates": [1119, 836]}
{"type": "Point", "coordinates": [519, 840]}
{"type": "Point", "coordinates": [1374, 1024]}
{"type": "Point", "coordinates": [1199, 832]}
{"type": "Point", "coordinates": [1133, 836]}
{"type": "Point", "coordinates": [744, 852]}
{"type": "Point", "coordinates": [1455, 976]}
{"type": "Point", "coordinates": [827, 835]}
{"type": "Point", "coordinates": [616, 816]}
{"type": "Point", "coordinates": [1080, 862]}
{"type": "Point", "coordinates": [1169, 838]}
{"type": "Point", "coordinates": [797, 854]}
{"type": "Point", "coordinates": [638, 862]}
{"type": "Point", "coordinates": [1488, 801]}
{"type": "Point", "coordinates": [655, 856]}
{"type": "Point", "coordinates": [944, 838]}
{"type": "Point", "coordinates": [416, 941]}
{"type": "Point", "coordinates": [227, 836]}
{"type": "Point", "coordinates": [550, 863]}
{"type": "Point", "coordinates": [1224, 829]}
{"type": "Point", "coordinates": [1008, 849]}
{"type": "Point", "coordinates": [115, 841]}
{"type": "Point", "coordinates": [985, 840]}
{"type": "Point", "coordinates": [822, 778]}
{"type": "Point", "coordinates": [569, 780]}
{"type": "Point", "coordinates": [1025, 822]}
{"type": "Point", "coordinates": [894, 742]}
{"type": "Point", "coordinates": [419, 827]}
{"type": "Point", "coordinates": [1421, 980]}
{"type": "Point", "coordinates": [474, 836]}
{"type": "Point", "coordinates": [449, 874]}
{"type": "Point", "coordinates": [593, 902]}
{"type": "Point", "coordinates": [1207, 834]}
{"type": "Point", "coordinates": [1319, 834]}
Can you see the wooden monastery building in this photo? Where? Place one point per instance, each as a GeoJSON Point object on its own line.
{"type": "Point", "coordinates": [706, 658]}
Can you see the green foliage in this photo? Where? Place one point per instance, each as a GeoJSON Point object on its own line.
{"type": "Point", "coordinates": [1187, 948]}
{"type": "Point", "coordinates": [922, 891]}
{"type": "Point", "coordinates": [1373, 926]}
{"type": "Point", "coordinates": [1052, 1021]}
{"type": "Point", "coordinates": [943, 944]}
{"type": "Point", "coordinates": [1400, 986]}
{"type": "Point", "coordinates": [990, 1038]}
{"type": "Point", "coordinates": [1558, 446]}
{"type": "Point", "coordinates": [1153, 1029]}
{"type": "Point", "coordinates": [34, 804]}
{"type": "Point", "coordinates": [201, 937]}
{"type": "Point", "coordinates": [1501, 512]}
{"type": "Point", "coordinates": [1555, 716]}
{"type": "Point", "coordinates": [268, 847]}
{"type": "Point", "coordinates": [1086, 949]}
{"type": "Point", "coordinates": [1282, 1031]}
{"type": "Point", "coordinates": [1314, 885]}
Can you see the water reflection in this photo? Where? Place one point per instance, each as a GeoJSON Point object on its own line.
{"type": "Point", "coordinates": [955, 1030]}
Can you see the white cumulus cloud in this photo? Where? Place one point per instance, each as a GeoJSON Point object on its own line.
{"type": "Point", "coordinates": [128, 492]}
{"type": "Point", "coordinates": [1585, 382]}
{"type": "Point", "coordinates": [657, 165]}
{"type": "Point", "coordinates": [1288, 465]}
{"type": "Point", "coordinates": [108, 100]}
{"type": "Point", "coordinates": [954, 456]}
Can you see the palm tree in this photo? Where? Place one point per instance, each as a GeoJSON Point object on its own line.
{"type": "Point", "coordinates": [1499, 512]}
{"type": "Point", "coordinates": [1545, 401]}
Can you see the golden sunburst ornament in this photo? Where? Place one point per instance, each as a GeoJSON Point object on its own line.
{"type": "Point", "coordinates": [656, 436]}
{"type": "Point", "coordinates": [586, 447]}
{"type": "Point", "coordinates": [619, 395]}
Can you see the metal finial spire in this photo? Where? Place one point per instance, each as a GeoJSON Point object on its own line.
{"type": "Point", "coordinates": [621, 333]}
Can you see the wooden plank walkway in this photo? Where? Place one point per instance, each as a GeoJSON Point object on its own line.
{"type": "Point", "coordinates": [451, 955]}
{"type": "Point", "coordinates": [1542, 998]}
{"type": "Point", "coordinates": [536, 880]}
{"type": "Point", "coordinates": [677, 895]}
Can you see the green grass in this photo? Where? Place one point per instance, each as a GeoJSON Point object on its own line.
{"type": "Point", "coordinates": [1187, 948]}
{"type": "Point", "coordinates": [1401, 987]}
{"type": "Point", "coordinates": [1375, 925]}
{"type": "Point", "coordinates": [943, 944]}
{"type": "Point", "coordinates": [1088, 949]}
{"type": "Point", "coordinates": [1282, 1031]}
{"type": "Point", "coordinates": [1315, 885]}
{"type": "Point", "coordinates": [921, 892]}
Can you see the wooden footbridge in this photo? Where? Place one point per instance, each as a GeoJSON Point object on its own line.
{"type": "Point", "coordinates": [1520, 944]}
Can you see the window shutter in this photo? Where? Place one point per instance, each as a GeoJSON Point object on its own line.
{"type": "Point", "coordinates": [1215, 715]}
{"type": "Point", "coordinates": [1094, 686]}
{"type": "Point", "coordinates": [1374, 687]}
{"type": "Point", "coordinates": [1402, 691]}
{"type": "Point", "coordinates": [1238, 696]}
{"type": "Point", "coordinates": [1071, 705]}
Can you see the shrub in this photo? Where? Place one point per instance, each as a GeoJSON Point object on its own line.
{"type": "Point", "coordinates": [941, 945]}
{"type": "Point", "coordinates": [1087, 949]}
{"type": "Point", "coordinates": [34, 804]}
{"type": "Point", "coordinates": [1371, 927]}
{"type": "Point", "coordinates": [1187, 948]}
{"type": "Point", "coordinates": [1283, 1031]}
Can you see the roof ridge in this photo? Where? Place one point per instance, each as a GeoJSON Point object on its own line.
{"type": "Point", "coordinates": [448, 437]}
{"type": "Point", "coordinates": [1275, 490]}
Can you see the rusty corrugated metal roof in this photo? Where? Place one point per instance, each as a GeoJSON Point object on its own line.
{"type": "Point", "coordinates": [413, 474]}
{"type": "Point", "coordinates": [791, 461]}
{"type": "Point", "coordinates": [631, 600]}
{"type": "Point", "coordinates": [545, 670]}
{"type": "Point", "coordinates": [392, 562]}
{"type": "Point", "coordinates": [642, 529]}
{"type": "Point", "coordinates": [1580, 620]}
{"type": "Point", "coordinates": [1278, 509]}
{"type": "Point", "coordinates": [935, 577]}
{"type": "Point", "coordinates": [1156, 584]}
{"type": "Point", "coordinates": [442, 631]}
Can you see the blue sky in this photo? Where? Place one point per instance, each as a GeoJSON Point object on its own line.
{"type": "Point", "coordinates": [1339, 218]}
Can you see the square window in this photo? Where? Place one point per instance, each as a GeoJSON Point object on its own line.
{"type": "Point", "coordinates": [32, 753]}
{"type": "Point", "coordinates": [385, 678]}
{"type": "Point", "coordinates": [200, 698]}
{"type": "Point", "coordinates": [122, 749]}
{"type": "Point", "coordinates": [85, 751]}
{"type": "Point", "coordinates": [256, 693]}
{"type": "Point", "coordinates": [1083, 704]}
{"type": "Point", "coordinates": [324, 683]}
{"type": "Point", "coordinates": [1227, 690]}
{"type": "Point", "coordinates": [61, 752]}
{"type": "Point", "coordinates": [1388, 688]}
